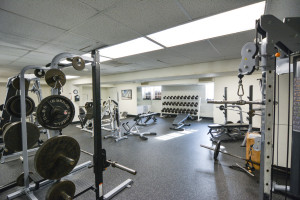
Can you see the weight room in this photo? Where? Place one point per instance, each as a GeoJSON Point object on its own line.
{"type": "Point", "coordinates": [148, 99]}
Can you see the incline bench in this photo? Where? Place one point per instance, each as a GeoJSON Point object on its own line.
{"type": "Point", "coordinates": [227, 131]}
{"type": "Point", "coordinates": [179, 122]}
{"type": "Point", "coordinates": [148, 116]}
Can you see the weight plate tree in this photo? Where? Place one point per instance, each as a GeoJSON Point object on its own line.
{"type": "Point", "coordinates": [12, 136]}
{"type": "Point", "coordinates": [57, 157]}
{"type": "Point", "coordinates": [55, 112]}
{"type": "Point", "coordinates": [55, 78]}
{"type": "Point", "coordinates": [61, 190]}
{"type": "Point", "coordinates": [13, 106]}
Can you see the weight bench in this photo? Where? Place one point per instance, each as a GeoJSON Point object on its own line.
{"type": "Point", "coordinates": [148, 117]}
{"type": "Point", "coordinates": [222, 132]}
{"type": "Point", "coordinates": [179, 122]}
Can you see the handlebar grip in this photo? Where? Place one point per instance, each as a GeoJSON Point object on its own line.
{"type": "Point", "coordinates": [122, 167]}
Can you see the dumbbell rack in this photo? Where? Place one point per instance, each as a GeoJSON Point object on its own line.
{"type": "Point", "coordinates": [173, 100]}
{"type": "Point", "coordinates": [29, 188]}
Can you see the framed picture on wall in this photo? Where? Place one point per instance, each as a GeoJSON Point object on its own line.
{"type": "Point", "coordinates": [126, 94]}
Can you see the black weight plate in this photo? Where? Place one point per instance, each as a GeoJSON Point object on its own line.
{"type": "Point", "coordinates": [16, 83]}
{"type": "Point", "coordinates": [55, 112]}
{"type": "Point", "coordinates": [39, 73]}
{"type": "Point", "coordinates": [55, 78]}
{"type": "Point", "coordinates": [12, 136]}
{"type": "Point", "coordinates": [49, 159]}
{"type": "Point", "coordinates": [20, 179]}
{"type": "Point", "coordinates": [217, 150]}
{"type": "Point", "coordinates": [61, 191]}
{"type": "Point", "coordinates": [13, 106]}
{"type": "Point", "coordinates": [78, 63]}
{"type": "Point", "coordinates": [5, 126]}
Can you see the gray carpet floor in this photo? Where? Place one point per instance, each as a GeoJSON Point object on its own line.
{"type": "Point", "coordinates": [171, 165]}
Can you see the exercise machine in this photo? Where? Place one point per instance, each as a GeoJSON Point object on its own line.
{"type": "Point", "coordinates": [147, 116]}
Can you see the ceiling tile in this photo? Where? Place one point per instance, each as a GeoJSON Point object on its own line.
{"type": "Point", "coordinates": [35, 58]}
{"type": "Point", "coordinates": [18, 42]}
{"type": "Point", "coordinates": [168, 56]}
{"type": "Point", "coordinates": [101, 4]}
{"type": "Point", "coordinates": [230, 45]}
{"type": "Point", "coordinates": [142, 60]}
{"type": "Point", "coordinates": [59, 13]}
{"type": "Point", "coordinates": [197, 51]}
{"type": "Point", "coordinates": [10, 51]}
{"type": "Point", "coordinates": [106, 30]}
{"type": "Point", "coordinates": [54, 49]}
{"type": "Point", "coordinates": [19, 26]}
{"type": "Point", "coordinates": [203, 8]}
{"type": "Point", "coordinates": [147, 17]}
{"type": "Point", "coordinates": [6, 59]}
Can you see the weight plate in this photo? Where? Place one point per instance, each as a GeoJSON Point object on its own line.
{"type": "Point", "coordinates": [16, 83]}
{"type": "Point", "coordinates": [55, 112]}
{"type": "Point", "coordinates": [89, 113]}
{"type": "Point", "coordinates": [217, 150]}
{"type": "Point", "coordinates": [61, 191]}
{"type": "Point", "coordinates": [57, 157]}
{"type": "Point", "coordinates": [13, 106]}
{"type": "Point", "coordinates": [55, 78]}
{"type": "Point", "coordinates": [39, 73]}
{"type": "Point", "coordinates": [12, 136]}
{"type": "Point", "coordinates": [5, 126]}
{"type": "Point", "coordinates": [20, 179]}
{"type": "Point", "coordinates": [78, 63]}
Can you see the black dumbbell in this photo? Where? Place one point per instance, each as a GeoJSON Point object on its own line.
{"type": "Point", "coordinates": [188, 104]}
{"type": "Point", "coordinates": [184, 104]}
{"type": "Point", "coordinates": [185, 97]}
{"type": "Point", "coordinates": [181, 104]}
{"type": "Point", "coordinates": [196, 110]}
{"type": "Point", "coordinates": [193, 97]}
{"type": "Point", "coordinates": [164, 97]}
{"type": "Point", "coordinates": [196, 104]}
{"type": "Point", "coordinates": [192, 104]}
{"type": "Point", "coordinates": [196, 97]}
{"type": "Point", "coordinates": [195, 113]}
{"type": "Point", "coordinates": [188, 111]}
{"type": "Point", "coordinates": [189, 97]}
{"type": "Point", "coordinates": [177, 97]}
{"type": "Point", "coordinates": [163, 110]}
{"type": "Point", "coordinates": [181, 97]}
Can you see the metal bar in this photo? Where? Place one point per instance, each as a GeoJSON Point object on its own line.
{"type": "Point", "coordinates": [15, 154]}
{"type": "Point", "coordinates": [118, 189]}
{"type": "Point", "coordinates": [250, 98]}
{"type": "Point", "coordinates": [239, 102]}
{"type": "Point", "coordinates": [98, 158]}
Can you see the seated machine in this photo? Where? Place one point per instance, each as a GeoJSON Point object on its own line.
{"type": "Point", "coordinates": [133, 130]}
{"type": "Point", "coordinates": [179, 122]}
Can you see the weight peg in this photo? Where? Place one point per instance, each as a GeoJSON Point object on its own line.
{"type": "Point", "coordinates": [55, 78]}
{"type": "Point", "coordinates": [12, 136]}
{"type": "Point", "coordinates": [13, 106]}
{"type": "Point", "coordinates": [55, 112]}
{"type": "Point", "coordinates": [57, 157]}
{"type": "Point", "coordinates": [62, 190]}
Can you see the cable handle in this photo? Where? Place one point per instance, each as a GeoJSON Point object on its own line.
{"type": "Point", "coordinates": [122, 167]}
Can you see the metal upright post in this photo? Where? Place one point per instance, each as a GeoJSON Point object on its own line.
{"type": "Point", "coordinates": [98, 157]}
{"type": "Point", "coordinates": [267, 64]}
{"type": "Point", "coordinates": [250, 98]}
{"type": "Point", "coordinates": [225, 105]}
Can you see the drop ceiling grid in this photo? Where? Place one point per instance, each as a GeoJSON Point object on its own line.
{"type": "Point", "coordinates": [61, 14]}
{"type": "Point", "coordinates": [147, 17]}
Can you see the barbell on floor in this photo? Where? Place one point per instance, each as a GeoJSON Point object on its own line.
{"type": "Point", "coordinates": [217, 151]}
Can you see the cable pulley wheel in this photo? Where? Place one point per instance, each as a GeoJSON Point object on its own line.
{"type": "Point", "coordinates": [16, 83]}
{"type": "Point", "coordinates": [55, 78]}
{"type": "Point", "coordinates": [55, 112]}
{"type": "Point", "coordinates": [62, 190]}
{"type": "Point", "coordinates": [12, 136]}
{"type": "Point", "coordinates": [57, 157]}
{"type": "Point", "coordinates": [13, 106]}
{"type": "Point", "coordinates": [78, 63]}
{"type": "Point", "coordinates": [39, 73]}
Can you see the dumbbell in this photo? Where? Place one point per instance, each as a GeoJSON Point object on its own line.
{"type": "Point", "coordinates": [184, 104]}
{"type": "Point", "coordinates": [185, 97]}
{"type": "Point", "coordinates": [184, 110]}
{"type": "Point", "coordinates": [177, 97]}
{"type": "Point", "coordinates": [192, 111]}
{"type": "Point", "coordinates": [189, 97]}
{"type": "Point", "coordinates": [196, 97]}
{"type": "Point", "coordinates": [163, 110]}
{"type": "Point", "coordinates": [195, 113]}
{"type": "Point", "coordinates": [196, 104]}
{"type": "Point", "coordinates": [164, 103]}
{"type": "Point", "coordinates": [196, 110]}
{"type": "Point", "coordinates": [188, 111]}
{"type": "Point", "coordinates": [188, 104]}
{"type": "Point", "coordinates": [181, 104]}
{"type": "Point", "coordinates": [193, 97]}
{"type": "Point", "coordinates": [192, 104]}
{"type": "Point", "coordinates": [181, 97]}
{"type": "Point", "coordinates": [164, 97]}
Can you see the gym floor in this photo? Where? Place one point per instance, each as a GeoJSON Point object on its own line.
{"type": "Point", "coordinates": [171, 165]}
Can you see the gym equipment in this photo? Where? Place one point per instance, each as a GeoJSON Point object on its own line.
{"type": "Point", "coordinates": [78, 63]}
{"type": "Point", "coordinates": [61, 190]}
{"type": "Point", "coordinates": [149, 116]}
{"type": "Point", "coordinates": [12, 106]}
{"type": "Point", "coordinates": [179, 122]}
{"type": "Point", "coordinates": [133, 130]}
{"type": "Point", "coordinates": [55, 112]}
{"type": "Point", "coordinates": [57, 157]}
{"type": "Point", "coordinates": [16, 83]}
{"type": "Point", "coordinates": [217, 150]}
{"type": "Point", "coordinates": [55, 78]}
{"type": "Point", "coordinates": [189, 97]}
{"type": "Point", "coordinates": [39, 73]}
{"type": "Point", "coordinates": [13, 139]}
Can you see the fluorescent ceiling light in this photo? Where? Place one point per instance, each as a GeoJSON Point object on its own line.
{"type": "Point", "coordinates": [132, 47]}
{"type": "Point", "coordinates": [102, 58]}
{"type": "Point", "coordinates": [237, 20]}
{"type": "Point", "coordinates": [71, 77]}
